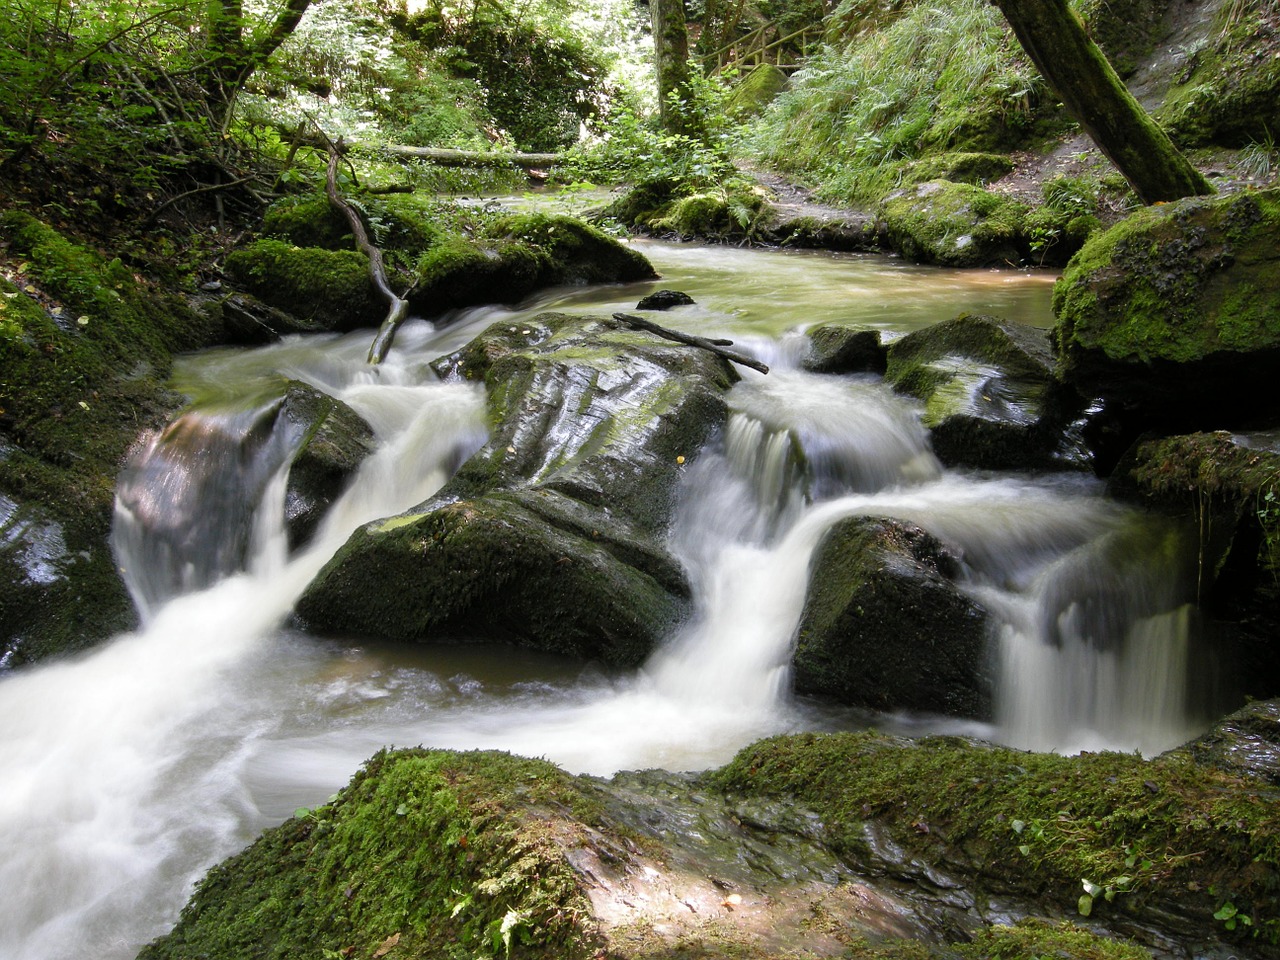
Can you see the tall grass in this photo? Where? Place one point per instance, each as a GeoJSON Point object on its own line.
{"type": "Point", "coordinates": [942, 75]}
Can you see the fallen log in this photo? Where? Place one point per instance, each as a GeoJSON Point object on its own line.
{"type": "Point", "coordinates": [473, 158]}
{"type": "Point", "coordinates": [397, 307]}
{"type": "Point", "coordinates": [716, 346]}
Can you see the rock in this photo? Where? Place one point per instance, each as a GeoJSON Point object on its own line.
{"type": "Point", "coordinates": [665, 300]}
{"type": "Point", "coordinates": [335, 441]}
{"type": "Point", "coordinates": [1245, 744]}
{"type": "Point", "coordinates": [954, 225]}
{"type": "Point", "coordinates": [1174, 313]}
{"type": "Point", "coordinates": [250, 322]}
{"type": "Point", "coordinates": [990, 396]}
{"type": "Point", "coordinates": [958, 167]}
{"type": "Point", "coordinates": [839, 348]}
{"type": "Point", "coordinates": [1227, 488]}
{"type": "Point", "coordinates": [552, 535]}
{"type": "Point", "coordinates": [330, 288]}
{"type": "Point", "coordinates": [885, 627]}
{"type": "Point", "coordinates": [755, 91]}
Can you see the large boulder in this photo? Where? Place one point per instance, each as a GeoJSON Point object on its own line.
{"type": "Point", "coordinates": [990, 396]}
{"type": "Point", "coordinates": [552, 535]}
{"type": "Point", "coordinates": [843, 348]}
{"type": "Point", "coordinates": [884, 625]}
{"type": "Point", "coordinates": [1174, 314]}
{"type": "Point", "coordinates": [1245, 744]}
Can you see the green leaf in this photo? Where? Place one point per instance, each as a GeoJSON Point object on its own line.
{"type": "Point", "coordinates": [1085, 905]}
{"type": "Point", "coordinates": [1018, 826]}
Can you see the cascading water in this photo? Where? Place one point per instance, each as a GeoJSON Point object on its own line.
{"type": "Point", "coordinates": [129, 770]}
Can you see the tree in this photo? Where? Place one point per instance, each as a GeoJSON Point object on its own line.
{"type": "Point", "coordinates": [235, 50]}
{"type": "Point", "coordinates": [1055, 39]}
{"type": "Point", "coordinates": [671, 62]}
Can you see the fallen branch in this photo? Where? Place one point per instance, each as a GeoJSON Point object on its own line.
{"type": "Point", "coordinates": [702, 343]}
{"type": "Point", "coordinates": [397, 307]}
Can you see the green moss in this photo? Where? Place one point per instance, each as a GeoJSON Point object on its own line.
{"type": "Point", "coordinates": [81, 374]}
{"type": "Point", "coordinates": [308, 220]}
{"type": "Point", "coordinates": [975, 168]}
{"type": "Point", "coordinates": [755, 91]}
{"type": "Point", "coordinates": [1229, 90]}
{"type": "Point", "coordinates": [955, 224]}
{"type": "Point", "coordinates": [1177, 282]}
{"type": "Point", "coordinates": [331, 287]}
{"type": "Point", "coordinates": [439, 854]}
{"type": "Point", "coordinates": [1160, 831]}
{"type": "Point", "coordinates": [1041, 938]}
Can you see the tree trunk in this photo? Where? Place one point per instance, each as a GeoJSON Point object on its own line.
{"type": "Point", "coordinates": [671, 61]}
{"type": "Point", "coordinates": [1055, 39]}
{"type": "Point", "coordinates": [232, 56]}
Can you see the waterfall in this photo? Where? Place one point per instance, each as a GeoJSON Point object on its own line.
{"type": "Point", "coordinates": [123, 769]}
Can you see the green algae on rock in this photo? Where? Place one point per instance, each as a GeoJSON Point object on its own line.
{"type": "Point", "coordinates": [1174, 313]}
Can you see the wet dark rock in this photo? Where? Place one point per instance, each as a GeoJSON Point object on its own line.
{"type": "Point", "coordinates": [884, 625]}
{"type": "Point", "coordinates": [250, 322]}
{"type": "Point", "coordinates": [1247, 743]}
{"type": "Point", "coordinates": [839, 348]}
{"type": "Point", "coordinates": [1174, 313]}
{"type": "Point", "coordinates": [335, 441]}
{"type": "Point", "coordinates": [551, 536]}
{"type": "Point", "coordinates": [1226, 487]}
{"type": "Point", "coordinates": [665, 300]}
{"type": "Point", "coordinates": [990, 396]}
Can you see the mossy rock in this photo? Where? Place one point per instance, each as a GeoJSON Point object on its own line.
{"type": "Point", "coordinates": [330, 287]}
{"type": "Point", "coordinates": [1172, 840]}
{"type": "Point", "coordinates": [973, 168]}
{"type": "Point", "coordinates": [884, 625]}
{"type": "Point", "coordinates": [335, 441]}
{"type": "Point", "coordinates": [308, 220]}
{"type": "Point", "coordinates": [1127, 32]}
{"type": "Point", "coordinates": [755, 91]}
{"type": "Point", "coordinates": [1228, 92]}
{"type": "Point", "coordinates": [1174, 313]}
{"type": "Point", "coordinates": [84, 374]}
{"type": "Point", "coordinates": [552, 535]}
{"type": "Point", "coordinates": [954, 225]}
{"type": "Point", "coordinates": [713, 215]}
{"type": "Point", "coordinates": [425, 854]}
{"type": "Point", "coordinates": [840, 348]}
{"type": "Point", "coordinates": [990, 396]}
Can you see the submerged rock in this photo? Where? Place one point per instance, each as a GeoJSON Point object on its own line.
{"type": "Point", "coordinates": [665, 300]}
{"type": "Point", "coordinates": [1174, 313]}
{"type": "Point", "coordinates": [884, 625]}
{"type": "Point", "coordinates": [552, 535]}
{"type": "Point", "coordinates": [991, 399]}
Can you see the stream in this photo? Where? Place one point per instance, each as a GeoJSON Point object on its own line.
{"type": "Point", "coordinates": [129, 770]}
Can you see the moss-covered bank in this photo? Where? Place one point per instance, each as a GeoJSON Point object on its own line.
{"type": "Point", "coordinates": [85, 346]}
{"type": "Point", "coordinates": [943, 848]}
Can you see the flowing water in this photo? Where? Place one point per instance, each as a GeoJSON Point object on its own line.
{"type": "Point", "coordinates": [129, 770]}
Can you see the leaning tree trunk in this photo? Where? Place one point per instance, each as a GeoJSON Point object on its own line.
{"type": "Point", "coordinates": [671, 61]}
{"type": "Point", "coordinates": [1055, 39]}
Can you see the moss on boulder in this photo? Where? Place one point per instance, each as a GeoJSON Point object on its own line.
{"type": "Point", "coordinates": [330, 287]}
{"type": "Point", "coordinates": [85, 347]}
{"type": "Point", "coordinates": [1163, 844]}
{"type": "Point", "coordinates": [954, 225]}
{"type": "Point", "coordinates": [1175, 312]}
{"type": "Point", "coordinates": [551, 536]}
{"type": "Point", "coordinates": [973, 168]}
{"type": "Point", "coordinates": [840, 348]}
{"type": "Point", "coordinates": [755, 91]}
{"type": "Point", "coordinates": [990, 396]}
